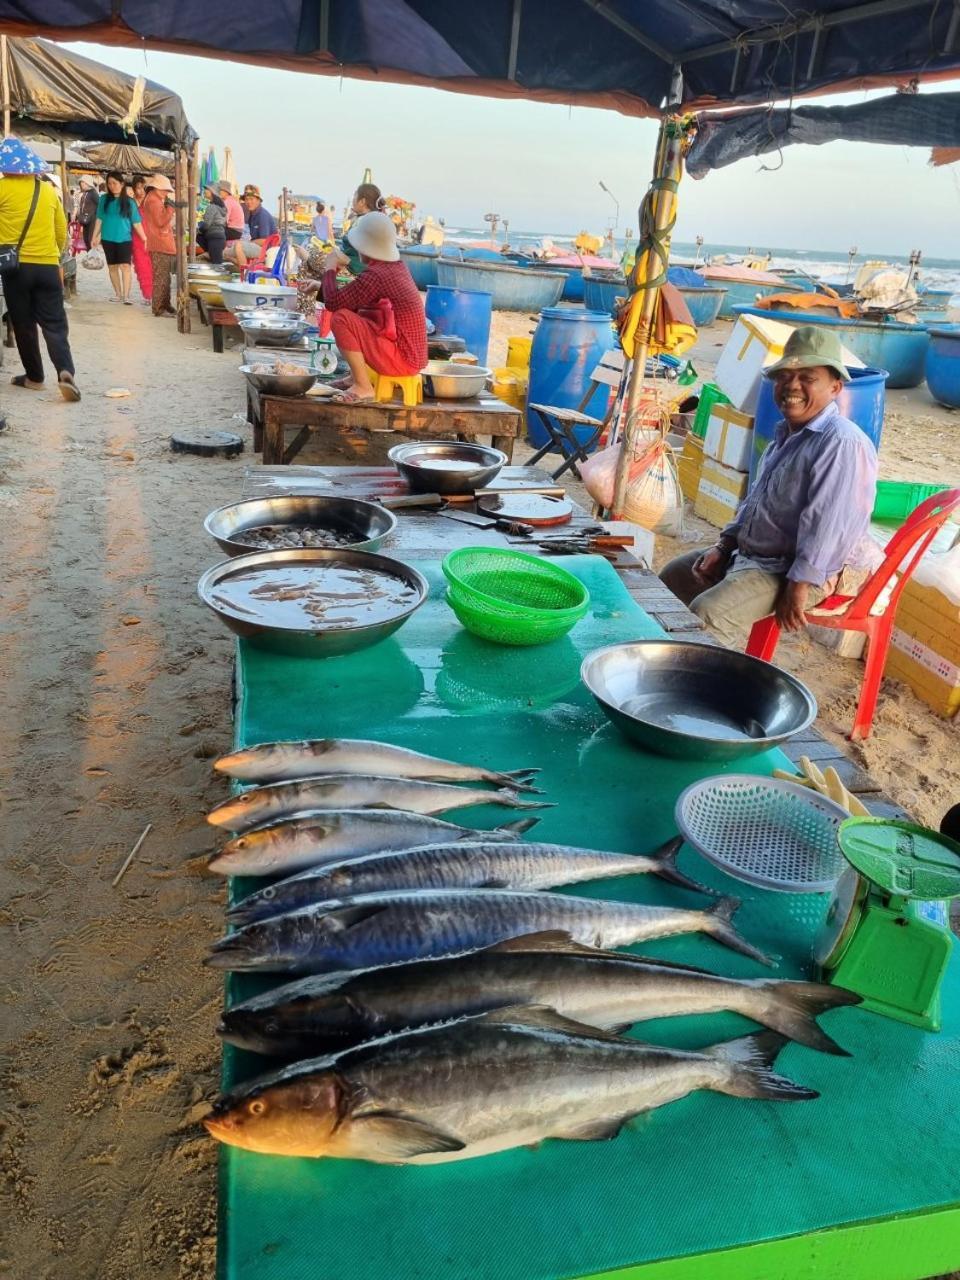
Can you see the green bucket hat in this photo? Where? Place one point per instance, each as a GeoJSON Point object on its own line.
{"type": "Point", "coordinates": [808, 348]}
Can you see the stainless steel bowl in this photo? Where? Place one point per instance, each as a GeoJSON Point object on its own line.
{"type": "Point", "coordinates": [421, 465]}
{"type": "Point", "coordinates": [367, 523]}
{"type": "Point", "coordinates": [210, 271]}
{"type": "Point", "coordinates": [444, 380]}
{"type": "Point", "coordinates": [697, 701]}
{"type": "Point", "coordinates": [280, 384]}
{"type": "Point", "coordinates": [319, 641]}
{"type": "Point", "coordinates": [265, 336]}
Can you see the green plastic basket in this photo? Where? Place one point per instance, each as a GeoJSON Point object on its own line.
{"type": "Point", "coordinates": [896, 499]}
{"type": "Point", "coordinates": [710, 395]}
{"type": "Point", "coordinates": [512, 598]}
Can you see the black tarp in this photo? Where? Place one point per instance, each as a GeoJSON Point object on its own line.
{"type": "Point", "coordinates": [61, 94]}
{"type": "Point", "coordinates": [117, 155]}
{"type": "Point", "coordinates": [929, 119]}
{"type": "Point", "coordinates": [608, 53]}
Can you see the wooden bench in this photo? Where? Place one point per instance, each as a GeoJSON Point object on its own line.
{"type": "Point", "coordinates": [219, 319]}
{"type": "Point", "coordinates": [484, 416]}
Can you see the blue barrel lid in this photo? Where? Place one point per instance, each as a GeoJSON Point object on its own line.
{"type": "Point", "coordinates": [452, 288]}
{"type": "Point", "coordinates": [574, 313]}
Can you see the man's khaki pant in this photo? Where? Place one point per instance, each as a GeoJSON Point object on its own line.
{"type": "Point", "coordinates": [731, 607]}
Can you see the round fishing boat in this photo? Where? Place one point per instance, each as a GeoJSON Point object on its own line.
{"type": "Point", "coordinates": [943, 366]}
{"type": "Point", "coordinates": [513, 288]}
{"type": "Point", "coordinates": [703, 304]}
{"type": "Point", "coordinates": [421, 262]}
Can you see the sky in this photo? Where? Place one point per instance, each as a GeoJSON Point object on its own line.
{"type": "Point", "coordinates": [459, 157]}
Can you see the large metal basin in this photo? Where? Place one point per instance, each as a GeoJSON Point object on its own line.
{"type": "Point", "coordinates": [368, 523]}
{"type": "Point", "coordinates": [697, 701]}
{"type": "Point", "coordinates": [320, 641]}
{"type": "Point", "coordinates": [422, 465]}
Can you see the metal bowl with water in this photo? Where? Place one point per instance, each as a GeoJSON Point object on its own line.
{"type": "Point", "coordinates": [444, 380]}
{"type": "Point", "coordinates": [279, 384]}
{"type": "Point", "coordinates": [446, 466]}
{"type": "Point", "coordinates": [697, 701]}
{"type": "Point", "coordinates": [300, 602]}
{"type": "Point", "coordinates": [365, 523]}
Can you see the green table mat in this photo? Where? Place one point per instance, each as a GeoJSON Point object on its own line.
{"type": "Point", "coordinates": [704, 1174]}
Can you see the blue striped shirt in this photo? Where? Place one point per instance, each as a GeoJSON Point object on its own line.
{"type": "Point", "coordinates": [808, 513]}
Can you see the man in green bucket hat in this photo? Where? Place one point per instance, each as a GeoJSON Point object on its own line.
{"type": "Point", "coordinates": [802, 532]}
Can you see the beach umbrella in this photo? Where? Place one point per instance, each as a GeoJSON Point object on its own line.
{"type": "Point", "coordinates": [229, 171]}
{"type": "Point", "coordinates": [213, 170]}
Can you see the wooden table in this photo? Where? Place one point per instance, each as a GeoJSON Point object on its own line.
{"type": "Point", "coordinates": [218, 318]}
{"type": "Point", "coordinates": [484, 415]}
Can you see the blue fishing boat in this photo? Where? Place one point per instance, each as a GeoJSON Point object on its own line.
{"type": "Point", "coordinates": [935, 299]}
{"type": "Point", "coordinates": [943, 365]}
{"type": "Point", "coordinates": [703, 304]}
{"type": "Point", "coordinates": [885, 344]}
{"type": "Point", "coordinates": [513, 288]}
{"type": "Point", "coordinates": [744, 293]}
{"type": "Point", "coordinates": [421, 260]}
{"type": "Point", "coordinates": [601, 294]}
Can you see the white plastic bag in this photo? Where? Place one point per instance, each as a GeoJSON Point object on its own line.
{"type": "Point", "coordinates": [94, 260]}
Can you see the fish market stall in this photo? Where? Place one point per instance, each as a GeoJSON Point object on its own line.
{"type": "Point", "coordinates": [774, 1181]}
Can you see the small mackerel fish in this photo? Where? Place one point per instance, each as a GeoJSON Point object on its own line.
{"type": "Point", "coordinates": [333, 835]}
{"type": "Point", "coordinates": [285, 761]}
{"type": "Point", "coordinates": [270, 803]}
{"type": "Point", "coordinates": [463, 865]}
{"type": "Point", "coordinates": [431, 1095]}
{"type": "Point", "coordinates": [389, 928]}
{"type": "Point", "coordinates": [608, 989]}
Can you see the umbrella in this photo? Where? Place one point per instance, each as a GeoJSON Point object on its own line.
{"type": "Point", "coordinates": [229, 172]}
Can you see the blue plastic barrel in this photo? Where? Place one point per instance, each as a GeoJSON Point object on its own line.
{"type": "Point", "coordinates": [464, 312]}
{"type": "Point", "coordinates": [943, 366]}
{"type": "Point", "coordinates": [567, 346]}
{"type": "Point", "coordinates": [862, 400]}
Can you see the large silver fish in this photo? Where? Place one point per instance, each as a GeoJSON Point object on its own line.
{"type": "Point", "coordinates": [612, 990]}
{"type": "Point", "coordinates": [389, 928]}
{"type": "Point", "coordinates": [331, 835]}
{"type": "Point", "coordinates": [282, 761]}
{"type": "Point", "coordinates": [464, 865]}
{"type": "Point", "coordinates": [261, 805]}
{"type": "Point", "coordinates": [480, 1085]}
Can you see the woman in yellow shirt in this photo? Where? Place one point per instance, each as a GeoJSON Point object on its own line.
{"type": "Point", "coordinates": [33, 290]}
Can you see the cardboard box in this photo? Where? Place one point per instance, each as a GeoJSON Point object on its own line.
{"type": "Point", "coordinates": [720, 493]}
{"type": "Point", "coordinates": [755, 344]}
{"type": "Point", "coordinates": [729, 437]}
{"type": "Point", "coordinates": [690, 466]}
{"type": "Point", "coordinates": [925, 647]}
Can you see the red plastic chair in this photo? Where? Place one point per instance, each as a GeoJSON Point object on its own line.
{"type": "Point", "coordinates": [260, 264]}
{"type": "Point", "coordinates": [908, 545]}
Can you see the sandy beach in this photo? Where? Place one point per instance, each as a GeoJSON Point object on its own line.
{"type": "Point", "coordinates": [117, 695]}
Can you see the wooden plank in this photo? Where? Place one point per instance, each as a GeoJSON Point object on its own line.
{"type": "Point", "coordinates": [676, 620]}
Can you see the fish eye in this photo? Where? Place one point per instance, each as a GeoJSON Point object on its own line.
{"type": "Point", "coordinates": [270, 891]}
{"type": "Point", "coordinates": [257, 1107]}
{"type": "Point", "coordinates": [271, 1027]}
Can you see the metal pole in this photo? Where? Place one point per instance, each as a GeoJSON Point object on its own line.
{"type": "Point", "coordinates": [668, 160]}
{"type": "Point", "coordinates": [5, 74]}
{"type": "Point", "coordinates": [193, 177]}
{"type": "Point", "coordinates": [63, 174]}
{"type": "Point", "coordinates": [182, 196]}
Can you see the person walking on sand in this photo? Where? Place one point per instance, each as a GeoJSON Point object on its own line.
{"type": "Point", "coordinates": [118, 221]}
{"type": "Point", "coordinates": [33, 233]}
{"type": "Point", "coordinates": [158, 219]}
{"type": "Point", "coordinates": [86, 215]}
{"type": "Point", "coordinates": [141, 255]}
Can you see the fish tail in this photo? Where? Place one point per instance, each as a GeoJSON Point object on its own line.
{"type": "Point", "coordinates": [508, 796]}
{"type": "Point", "coordinates": [718, 923]}
{"type": "Point", "coordinates": [515, 828]}
{"type": "Point", "coordinates": [665, 859]}
{"type": "Point", "coordinates": [747, 1069]}
{"type": "Point", "coordinates": [518, 779]}
{"type": "Point", "coordinates": [793, 1007]}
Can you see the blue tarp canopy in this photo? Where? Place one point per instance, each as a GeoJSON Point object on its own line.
{"type": "Point", "coordinates": [606, 53]}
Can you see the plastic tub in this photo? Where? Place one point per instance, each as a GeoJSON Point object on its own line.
{"type": "Point", "coordinates": [943, 366]}
{"type": "Point", "coordinates": [567, 346]}
{"type": "Point", "coordinates": [897, 498]}
{"type": "Point", "coordinates": [862, 400]}
{"type": "Point", "coordinates": [464, 312]}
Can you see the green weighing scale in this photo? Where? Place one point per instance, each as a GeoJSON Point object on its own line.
{"type": "Point", "coordinates": [887, 932]}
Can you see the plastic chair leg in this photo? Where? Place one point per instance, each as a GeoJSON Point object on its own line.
{"type": "Point", "coordinates": [764, 638]}
{"type": "Point", "coordinates": [879, 645]}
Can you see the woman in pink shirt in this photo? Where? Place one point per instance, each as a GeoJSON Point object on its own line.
{"type": "Point", "coordinates": [235, 217]}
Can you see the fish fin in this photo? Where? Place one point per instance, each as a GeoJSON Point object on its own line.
{"type": "Point", "coordinates": [349, 915]}
{"type": "Point", "coordinates": [393, 1136]}
{"type": "Point", "coordinates": [516, 828]}
{"type": "Point", "coordinates": [794, 1007]}
{"type": "Point", "coordinates": [549, 940]}
{"type": "Point", "coordinates": [595, 1130]}
{"type": "Point", "coordinates": [508, 796]}
{"type": "Point", "coordinates": [542, 1016]}
{"type": "Point", "coordinates": [718, 923]}
{"type": "Point", "coordinates": [665, 859]}
{"type": "Point", "coordinates": [749, 1061]}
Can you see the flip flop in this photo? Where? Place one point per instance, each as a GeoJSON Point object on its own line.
{"type": "Point", "coordinates": [68, 388]}
{"type": "Point", "coordinates": [22, 381]}
{"type": "Point", "coordinates": [349, 397]}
